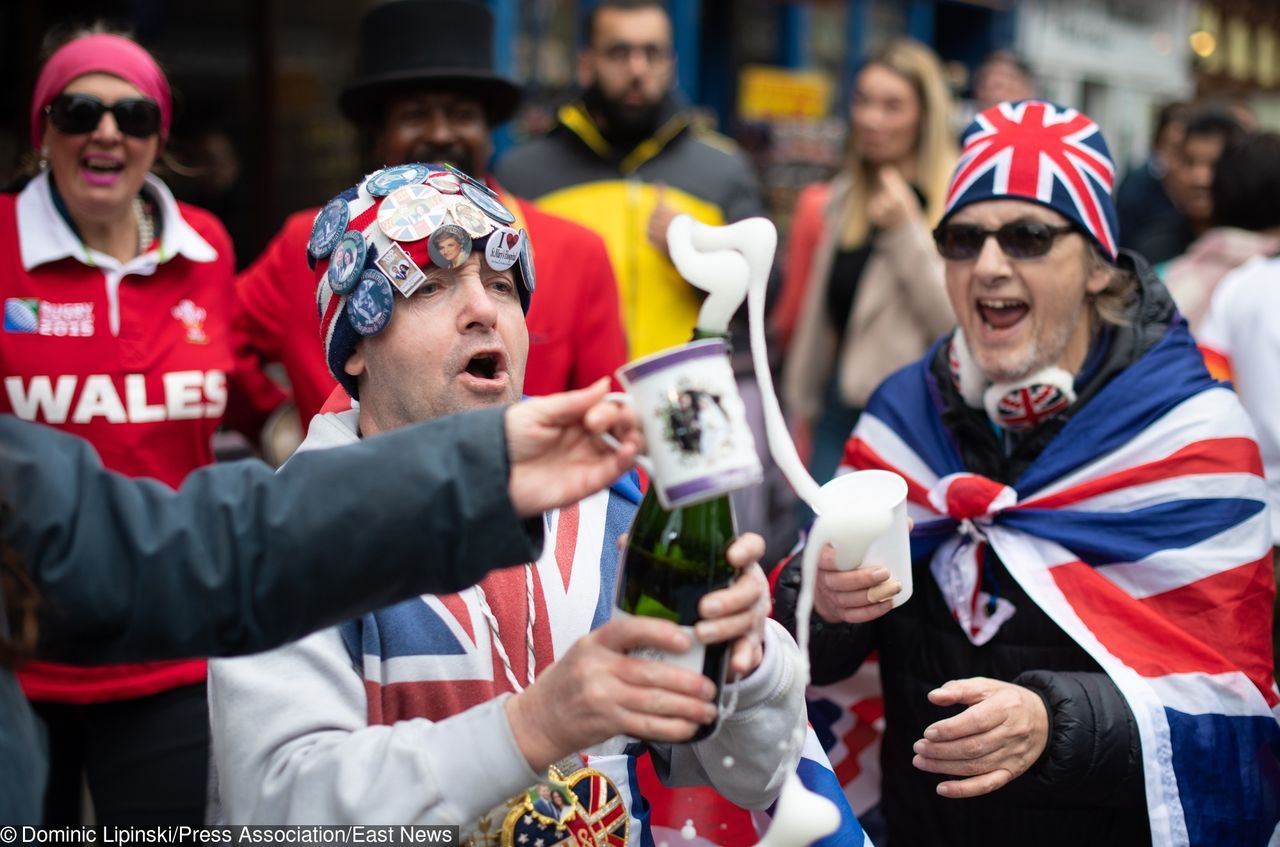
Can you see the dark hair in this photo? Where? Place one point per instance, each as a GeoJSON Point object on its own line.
{"type": "Point", "coordinates": [589, 22]}
{"type": "Point", "coordinates": [1009, 57]}
{"type": "Point", "coordinates": [63, 34]}
{"type": "Point", "coordinates": [1246, 183]}
{"type": "Point", "coordinates": [1215, 122]}
{"type": "Point", "coordinates": [1173, 112]}
{"type": "Point", "coordinates": [21, 601]}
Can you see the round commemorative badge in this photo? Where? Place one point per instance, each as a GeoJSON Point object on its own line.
{"type": "Point", "coordinates": [471, 219]}
{"type": "Point", "coordinates": [388, 180]}
{"type": "Point", "coordinates": [369, 306]}
{"type": "Point", "coordinates": [502, 249]}
{"type": "Point", "coordinates": [449, 246]}
{"type": "Point", "coordinates": [445, 183]}
{"type": "Point", "coordinates": [347, 262]}
{"type": "Point", "coordinates": [328, 228]}
{"type": "Point", "coordinates": [487, 204]}
{"type": "Point", "coordinates": [462, 176]}
{"type": "Point", "coordinates": [526, 262]}
{"type": "Point", "coordinates": [411, 212]}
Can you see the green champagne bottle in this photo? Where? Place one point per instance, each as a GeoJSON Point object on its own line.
{"type": "Point", "coordinates": [674, 557]}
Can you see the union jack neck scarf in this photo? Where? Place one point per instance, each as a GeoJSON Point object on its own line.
{"type": "Point", "coordinates": [1018, 406]}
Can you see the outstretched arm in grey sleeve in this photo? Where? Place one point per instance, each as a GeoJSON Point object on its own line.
{"type": "Point", "coordinates": [241, 559]}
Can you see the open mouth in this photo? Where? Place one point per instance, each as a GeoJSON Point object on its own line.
{"type": "Point", "coordinates": [101, 170]}
{"type": "Point", "coordinates": [1002, 314]}
{"type": "Point", "coordinates": [98, 165]}
{"type": "Point", "coordinates": [485, 365]}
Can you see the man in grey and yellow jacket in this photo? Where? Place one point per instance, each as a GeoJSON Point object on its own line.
{"type": "Point", "coordinates": [626, 158]}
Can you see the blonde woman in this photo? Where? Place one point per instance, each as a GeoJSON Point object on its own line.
{"type": "Point", "coordinates": [863, 291]}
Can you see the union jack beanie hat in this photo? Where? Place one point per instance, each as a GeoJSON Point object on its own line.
{"type": "Point", "coordinates": [377, 240]}
{"type": "Point", "coordinates": [1044, 153]}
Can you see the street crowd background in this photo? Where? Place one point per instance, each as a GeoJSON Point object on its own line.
{"type": "Point", "coordinates": [259, 135]}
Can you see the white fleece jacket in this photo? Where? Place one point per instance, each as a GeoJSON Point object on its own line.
{"type": "Point", "coordinates": [292, 741]}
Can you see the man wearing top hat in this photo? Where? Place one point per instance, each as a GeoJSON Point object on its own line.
{"type": "Point", "coordinates": [418, 95]}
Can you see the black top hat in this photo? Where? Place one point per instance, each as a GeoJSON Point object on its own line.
{"type": "Point", "coordinates": [446, 43]}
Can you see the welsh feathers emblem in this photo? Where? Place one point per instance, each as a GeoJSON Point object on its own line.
{"type": "Point", "coordinates": [192, 318]}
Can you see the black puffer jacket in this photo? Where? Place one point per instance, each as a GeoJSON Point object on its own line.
{"type": "Point", "coordinates": [1087, 787]}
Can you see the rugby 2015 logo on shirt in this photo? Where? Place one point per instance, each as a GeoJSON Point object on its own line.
{"type": "Point", "coordinates": [21, 314]}
{"type": "Point", "coordinates": [33, 316]}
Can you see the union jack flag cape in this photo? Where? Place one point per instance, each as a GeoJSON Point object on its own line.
{"type": "Point", "coordinates": [1142, 530]}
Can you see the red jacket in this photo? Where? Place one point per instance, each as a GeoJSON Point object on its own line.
{"type": "Point", "coordinates": [806, 231]}
{"type": "Point", "coordinates": [575, 328]}
{"type": "Point", "coordinates": [134, 358]}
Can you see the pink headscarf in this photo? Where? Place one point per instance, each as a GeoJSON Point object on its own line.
{"type": "Point", "coordinates": [108, 54]}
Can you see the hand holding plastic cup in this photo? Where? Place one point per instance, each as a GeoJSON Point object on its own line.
{"type": "Point", "coordinates": [863, 515]}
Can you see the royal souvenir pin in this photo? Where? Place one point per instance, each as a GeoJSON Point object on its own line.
{"type": "Point", "coordinates": [401, 269]}
{"type": "Point", "coordinates": [471, 219]}
{"type": "Point", "coordinates": [445, 183]}
{"type": "Point", "coordinates": [585, 809]}
{"type": "Point", "coordinates": [503, 248]}
{"type": "Point", "coordinates": [462, 176]}
{"type": "Point", "coordinates": [388, 180]}
{"type": "Point", "coordinates": [369, 306]}
{"type": "Point", "coordinates": [411, 212]}
{"type": "Point", "coordinates": [449, 246]}
{"type": "Point", "coordinates": [487, 203]}
{"type": "Point", "coordinates": [347, 262]}
{"type": "Point", "coordinates": [468, 179]}
{"type": "Point", "coordinates": [526, 262]}
{"type": "Point", "coordinates": [328, 228]}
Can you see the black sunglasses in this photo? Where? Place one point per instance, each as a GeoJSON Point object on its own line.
{"type": "Point", "coordinates": [77, 114]}
{"type": "Point", "coordinates": [1018, 240]}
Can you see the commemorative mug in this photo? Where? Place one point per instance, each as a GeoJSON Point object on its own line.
{"type": "Point", "coordinates": [700, 445]}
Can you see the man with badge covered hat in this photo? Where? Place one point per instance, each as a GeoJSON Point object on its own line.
{"type": "Point", "coordinates": [1086, 657]}
{"type": "Point", "coordinates": [425, 90]}
{"type": "Point", "coordinates": [453, 709]}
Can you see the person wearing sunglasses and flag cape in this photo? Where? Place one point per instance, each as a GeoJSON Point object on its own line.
{"type": "Point", "coordinates": [1087, 655]}
{"type": "Point", "coordinates": [117, 329]}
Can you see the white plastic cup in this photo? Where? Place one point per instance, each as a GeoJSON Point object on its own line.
{"type": "Point", "coordinates": [863, 515]}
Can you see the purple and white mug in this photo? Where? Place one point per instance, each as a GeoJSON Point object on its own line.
{"type": "Point", "coordinates": [699, 442]}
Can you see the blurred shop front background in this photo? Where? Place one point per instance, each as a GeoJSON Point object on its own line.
{"type": "Point", "coordinates": [257, 132]}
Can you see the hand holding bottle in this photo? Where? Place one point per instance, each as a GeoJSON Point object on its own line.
{"type": "Point", "coordinates": [596, 691]}
{"type": "Point", "coordinates": [737, 613]}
